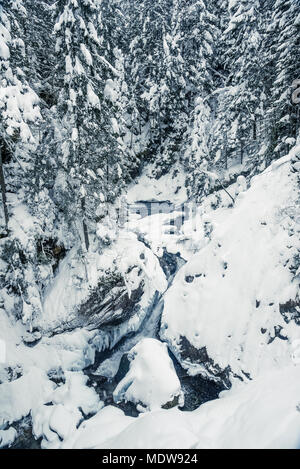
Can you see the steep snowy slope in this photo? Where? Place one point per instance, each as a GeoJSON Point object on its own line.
{"type": "Point", "coordinates": [229, 312]}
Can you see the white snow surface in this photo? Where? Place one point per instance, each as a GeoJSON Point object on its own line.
{"type": "Point", "coordinates": [71, 286]}
{"type": "Point", "coordinates": [226, 297]}
{"type": "Point", "coordinates": [261, 414]}
{"type": "Point", "coordinates": [169, 187]}
{"type": "Point", "coordinates": [69, 403]}
{"type": "Point", "coordinates": [18, 397]}
{"type": "Point", "coordinates": [151, 381]}
{"type": "Point", "coordinates": [70, 352]}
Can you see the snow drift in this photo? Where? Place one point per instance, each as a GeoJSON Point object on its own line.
{"type": "Point", "coordinates": [224, 316]}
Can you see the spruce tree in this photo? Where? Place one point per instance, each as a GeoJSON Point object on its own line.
{"type": "Point", "coordinates": [91, 151]}
{"type": "Point", "coordinates": [285, 33]}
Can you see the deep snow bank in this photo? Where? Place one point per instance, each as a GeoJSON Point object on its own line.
{"type": "Point", "coordinates": [261, 414]}
{"type": "Point", "coordinates": [227, 312]}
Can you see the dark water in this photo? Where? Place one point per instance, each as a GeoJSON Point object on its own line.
{"type": "Point", "coordinates": [25, 438]}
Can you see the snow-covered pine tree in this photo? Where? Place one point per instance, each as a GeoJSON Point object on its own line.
{"type": "Point", "coordinates": [174, 92]}
{"type": "Point", "coordinates": [90, 150]}
{"type": "Point", "coordinates": [285, 37]}
{"type": "Point", "coordinates": [200, 33]}
{"type": "Point", "coordinates": [246, 82]}
{"type": "Point", "coordinates": [156, 79]}
{"type": "Point", "coordinates": [18, 102]}
{"type": "Point", "coordinates": [19, 118]}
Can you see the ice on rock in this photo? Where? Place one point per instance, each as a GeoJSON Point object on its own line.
{"type": "Point", "coordinates": [7, 437]}
{"type": "Point", "coordinates": [71, 287]}
{"type": "Point", "coordinates": [151, 381]}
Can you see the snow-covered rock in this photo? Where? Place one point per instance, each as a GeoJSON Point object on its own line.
{"type": "Point", "coordinates": [7, 437]}
{"type": "Point", "coordinates": [75, 394]}
{"type": "Point", "coordinates": [65, 409]}
{"type": "Point", "coordinates": [169, 187]}
{"type": "Point", "coordinates": [107, 289]}
{"type": "Point", "coordinates": [225, 313]}
{"type": "Point", "coordinates": [54, 423]}
{"type": "Point", "coordinates": [151, 381]}
{"type": "Point", "coordinates": [18, 397]}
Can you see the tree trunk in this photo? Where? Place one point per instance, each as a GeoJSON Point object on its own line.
{"type": "Point", "coordinates": [84, 226]}
{"type": "Point", "coordinates": [3, 192]}
{"type": "Point", "coordinates": [242, 151]}
{"type": "Point", "coordinates": [254, 128]}
{"type": "Point", "coordinates": [225, 150]}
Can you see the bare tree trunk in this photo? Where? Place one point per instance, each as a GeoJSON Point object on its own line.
{"type": "Point", "coordinates": [225, 150]}
{"type": "Point", "coordinates": [254, 128]}
{"type": "Point", "coordinates": [84, 226]}
{"type": "Point", "coordinates": [3, 192]}
{"type": "Point", "coordinates": [242, 151]}
{"type": "Point", "coordinates": [131, 134]}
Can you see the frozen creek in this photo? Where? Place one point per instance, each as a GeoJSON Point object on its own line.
{"type": "Point", "coordinates": [218, 308]}
{"type": "Point", "coordinates": [196, 389]}
{"type": "Point", "coordinates": [111, 365]}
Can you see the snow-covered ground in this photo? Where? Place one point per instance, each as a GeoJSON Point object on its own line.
{"type": "Point", "coordinates": [223, 316]}
{"type": "Point", "coordinates": [228, 296]}
{"type": "Point", "coordinates": [169, 187]}
{"type": "Point", "coordinates": [262, 414]}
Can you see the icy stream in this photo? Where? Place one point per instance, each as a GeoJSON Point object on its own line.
{"type": "Point", "coordinates": [111, 365]}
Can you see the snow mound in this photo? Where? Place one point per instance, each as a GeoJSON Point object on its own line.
{"type": "Point", "coordinates": [225, 312]}
{"type": "Point", "coordinates": [75, 394]}
{"type": "Point", "coordinates": [262, 414]}
{"type": "Point", "coordinates": [66, 408]}
{"type": "Point", "coordinates": [161, 429]}
{"type": "Point", "coordinates": [106, 424]}
{"type": "Point", "coordinates": [54, 423]}
{"type": "Point", "coordinates": [151, 381]}
{"type": "Point", "coordinates": [18, 397]}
